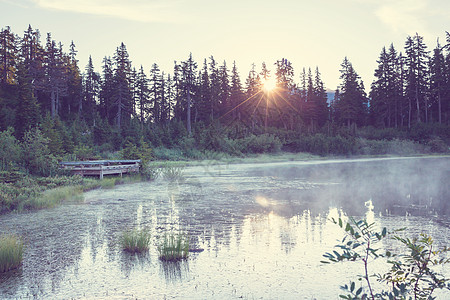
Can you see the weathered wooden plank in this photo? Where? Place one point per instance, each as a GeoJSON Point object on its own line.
{"type": "Point", "coordinates": [103, 167]}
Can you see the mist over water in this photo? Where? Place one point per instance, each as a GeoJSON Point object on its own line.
{"type": "Point", "coordinates": [263, 228]}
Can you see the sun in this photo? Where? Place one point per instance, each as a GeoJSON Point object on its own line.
{"type": "Point", "coordinates": [269, 84]}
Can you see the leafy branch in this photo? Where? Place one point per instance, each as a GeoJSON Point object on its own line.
{"type": "Point", "coordinates": [411, 275]}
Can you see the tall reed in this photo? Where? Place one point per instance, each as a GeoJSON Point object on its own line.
{"type": "Point", "coordinates": [174, 247]}
{"type": "Point", "coordinates": [11, 252]}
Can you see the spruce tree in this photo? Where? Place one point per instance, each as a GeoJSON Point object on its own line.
{"type": "Point", "coordinates": [155, 92]}
{"type": "Point", "coordinates": [8, 56]}
{"type": "Point", "coordinates": [438, 79]}
{"type": "Point", "coordinates": [417, 66]}
{"type": "Point", "coordinates": [224, 89]}
{"type": "Point", "coordinates": [351, 106]}
{"type": "Point", "coordinates": [188, 71]}
{"type": "Point", "coordinates": [122, 96]}
{"type": "Point", "coordinates": [143, 95]}
{"type": "Point", "coordinates": [91, 90]}
{"type": "Point", "coordinates": [236, 94]}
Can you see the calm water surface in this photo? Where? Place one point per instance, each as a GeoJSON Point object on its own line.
{"type": "Point", "coordinates": [263, 228]}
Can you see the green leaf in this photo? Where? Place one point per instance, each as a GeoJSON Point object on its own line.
{"type": "Point", "coordinates": [352, 287]}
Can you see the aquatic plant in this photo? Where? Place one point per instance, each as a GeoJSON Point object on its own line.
{"type": "Point", "coordinates": [11, 252]}
{"type": "Point", "coordinates": [174, 247]}
{"type": "Point", "coordinates": [411, 275]}
{"type": "Point", "coordinates": [149, 172]}
{"type": "Point", "coordinates": [172, 172]}
{"type": "Point", "coordinates": [135, 241]}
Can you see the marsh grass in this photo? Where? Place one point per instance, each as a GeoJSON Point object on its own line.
{"type": "Point", "coordinates": [11, 252]}
{"type": "Point", "coordinates": [172, 172]}
{"type": "Point", "coordinates": [53, 197]}
{"type": "Point", "coordinates": [174, 247]}
{"type": "Point", "coordinates": [135, 241]}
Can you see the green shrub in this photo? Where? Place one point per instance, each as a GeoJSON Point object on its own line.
{"type": "Point", "coordinates": [411, 275]}
{"type": "Point", "coordinates": [174, 247]}
{"type": "Point", "coordinates": [10, 151]}
{"type": "Point", "coordinates": [135, 241]}
{"type": "Point", "coordinates": [437, 145]}
{"type": "Point", "coordinates": [406, 147]}
{"type": "Point", "coordinates": [37, 157]}
{"type": "Point", "coordinates": [161, 153]}
{"type": "Point", "coordinates": [11, 252]}
{"type": "Point", "coordinates": [13, 195]}
{"type": "Point", "coordinates": [263, 143]}
{"type": "Point", "coordinates": [83, 152]}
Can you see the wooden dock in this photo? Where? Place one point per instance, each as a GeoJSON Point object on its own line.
{"type": "Point", "coordinates": [102, 167]}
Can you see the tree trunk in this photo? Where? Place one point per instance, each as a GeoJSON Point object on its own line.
{"type": "Point", "coordinates": [188, 111]}
{"type": "Point", "coordinates": [53, 103]}
{"type": "Point", "coordinates": [439, 106]}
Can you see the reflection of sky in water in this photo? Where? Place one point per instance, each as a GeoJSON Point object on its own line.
{"type": "Point", "coordinates": [263, 228]}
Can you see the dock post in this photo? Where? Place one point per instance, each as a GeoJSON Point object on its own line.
{"type": "Point", "coordinates": [101, 172]}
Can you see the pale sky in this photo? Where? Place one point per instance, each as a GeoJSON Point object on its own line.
{"type": "Point", "coordinates": [308, 33]}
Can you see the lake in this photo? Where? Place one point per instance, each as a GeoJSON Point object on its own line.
{"type": "Point", "coordinates": [263, 228]}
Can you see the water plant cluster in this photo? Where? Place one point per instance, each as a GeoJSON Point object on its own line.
{"type": "Point", "coordinates": [135, 241]}
{"type": "Point", "coordinates": [173, 247]}
{"type": "Point", "coordinates": [412, 274]}
{"type": "Point", "coordinates": [11, 252]}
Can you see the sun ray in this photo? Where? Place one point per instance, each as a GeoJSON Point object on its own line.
{"type": "Point", "coordinates": [269, 85]}
{"type": "Point", "coordinates": [240, 104]}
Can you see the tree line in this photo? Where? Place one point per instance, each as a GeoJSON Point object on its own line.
{"type": "Point", "coordinates": [42, 85]}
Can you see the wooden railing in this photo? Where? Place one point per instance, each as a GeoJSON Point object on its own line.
{"type": "Point", "coordinates": [102, 167]}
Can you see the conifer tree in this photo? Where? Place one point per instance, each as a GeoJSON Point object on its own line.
{"type": "Point", "coordinates": [55, 84]}
{"type": "Point", "coordinates": [203, 102]}
{"type": "Point", "coordinates": [438, 79]}
{"type": "Point", "coordinates": [188, 69]}
{"type": "Point", "coordinates": [8, 56]}
{"type": "Point", "coordinates": [416, 63]}
{"type": "Point", "coordinates": [106, 92]}
{"type": "Point", "coordinates": [320, 99]}
{"type": "Point", "coordinates": [74, 84]}
{"type": "Point", "coordinates": [236, 94]}
{"type": "Point", "coordinates": [281, 109]}
{"type": "Point", "coordinates": [122, 97]}
{"type": "Point", "coordinates": [91, 90]}
{"type": "Point", "coordinates": [28, 108]}
{"type": "Point", "coordinates": [32, 55]}
{"type": "Point", "coordinates": [351, 106]}
{"type": "Point", "coordinates": [155, 89]}
{"type": "Point", "coordinates": [215, 89]}
{"type": "Point", "coordinates": [143, 95]}
{"type": "Point", "coordinates": [224, 89]}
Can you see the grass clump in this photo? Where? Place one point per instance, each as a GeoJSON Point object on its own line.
{"type": "Point", "coordinates": [174, 247]}
{"type": "Point", "coordinates": [172, 172]}
{"type": "Point", "coordinates": [11, 252]}
{"type": "Point", "coordinates": [135, 241]}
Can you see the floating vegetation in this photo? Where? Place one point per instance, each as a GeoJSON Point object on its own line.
{"type": "Point", "coordinates": [135, 241]}
{"type": "Point", "coordinates": [174, 247]}
{"type": "Point", "coordinates": [11, 252]}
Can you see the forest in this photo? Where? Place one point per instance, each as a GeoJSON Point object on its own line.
{"type": "Point", "coordinates": [53, 109]}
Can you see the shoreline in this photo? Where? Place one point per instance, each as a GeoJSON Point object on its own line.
{"type": "Point", "coordinates": [52, 197]}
